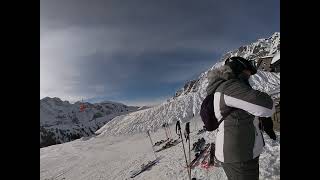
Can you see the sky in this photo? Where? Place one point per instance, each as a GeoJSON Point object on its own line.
{"type": "Point", "coordinates": [140, 52]}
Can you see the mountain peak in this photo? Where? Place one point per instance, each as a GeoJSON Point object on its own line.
{"type": "Point", "coordinates": [260, 48]}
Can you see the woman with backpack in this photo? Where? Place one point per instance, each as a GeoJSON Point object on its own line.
{"type": "Point", "coordinates": [237, 108]}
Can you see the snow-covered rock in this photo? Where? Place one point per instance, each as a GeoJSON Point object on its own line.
{"type": "Point", "coordinates": [61, 121]}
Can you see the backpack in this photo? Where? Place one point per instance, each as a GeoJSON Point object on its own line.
{"type": "Point", "coordinates": [207, 114]}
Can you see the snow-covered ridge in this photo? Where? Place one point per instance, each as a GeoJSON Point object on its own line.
{"type": "Point", "coordinates": [263, 47]}
{"type": "Point", "coordinates": [187, 101]}
{"type": "Point", "coordinates": [61, 121]}
{"type": "Point", "coordinates": [266, 82]}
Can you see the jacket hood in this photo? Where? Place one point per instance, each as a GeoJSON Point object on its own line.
{"type": "Point", "coordinates": [223, 73]}
{"type": "Point", "coordinates": [217, 75]}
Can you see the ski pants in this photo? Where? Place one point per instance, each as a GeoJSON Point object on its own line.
{"type": "Point", "coordinates": [248, 170]}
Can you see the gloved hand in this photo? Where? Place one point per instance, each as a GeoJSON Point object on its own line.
{"type": "Point", "coordinates": [266, 124]}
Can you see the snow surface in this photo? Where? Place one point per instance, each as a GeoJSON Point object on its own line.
{"type": "Point", "coordinates": [109, 157]}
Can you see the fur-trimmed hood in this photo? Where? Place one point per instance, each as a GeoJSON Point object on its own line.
{"type": "Point", "coordinates": [217, 75]}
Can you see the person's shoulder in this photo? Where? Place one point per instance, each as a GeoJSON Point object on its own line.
{"type": "Point", "coordinates": [234, 82]}
{"type": "Point", "coordinates": [231, 81]}
{"type": "Point", "coordinates": [233, 85]}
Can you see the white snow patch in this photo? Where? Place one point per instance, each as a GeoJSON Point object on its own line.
{"type": "Point", "coordinates": [109, 157]}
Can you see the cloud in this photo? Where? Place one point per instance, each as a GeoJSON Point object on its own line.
{"type": "Point", "coordinates": [141, 48]}
{"type": "Point", "coordinates": [146, 101]}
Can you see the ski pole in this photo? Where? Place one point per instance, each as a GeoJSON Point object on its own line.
{"type": "Point", "coordinates": [152, 144]}
{"type": "Point", "coordinates": [187, 129]}
{"type": "Point", "coordinates": [164, 127]}
{"type": "Point", "coordinates": [178, 130]}
{"type": "Point", "coordinates": [196, 124]}
{"type": "Point", "coordinates": [169, 132]}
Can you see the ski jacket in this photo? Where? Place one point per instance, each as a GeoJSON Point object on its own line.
{"type": "Point", "coordinates": [238, 137]}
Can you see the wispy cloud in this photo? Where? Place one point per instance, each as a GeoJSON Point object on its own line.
{"type": "Point", "coordinates": [141, 49]}
{"type": "Point", "coordinates": [146, 101]}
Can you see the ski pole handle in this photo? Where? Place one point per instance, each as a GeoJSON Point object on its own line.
{"type": "Point", "coordinates": [178, 128]}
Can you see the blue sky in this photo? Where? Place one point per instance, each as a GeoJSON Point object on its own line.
{"type": "Point", "coordinates": [140, 52]}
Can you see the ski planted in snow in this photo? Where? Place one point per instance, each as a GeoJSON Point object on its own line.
{"type": "Point", "coordinates": [205, 163]}
{"type": "Point", "coordinates": [197, 146]}
{"type": "Point", "coordinates": [198, 156]}
{"type": "Point", "coordinates": [209, 159]}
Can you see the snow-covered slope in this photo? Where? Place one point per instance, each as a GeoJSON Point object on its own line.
{"type": "Point", "coordinates": [266, 81]}
{"type": "Point", "coordinates": [61, 121]}
{"type": "Point", "coordinates": [108, 157]}
{"type": "Point", "coordinates": [187, 101]}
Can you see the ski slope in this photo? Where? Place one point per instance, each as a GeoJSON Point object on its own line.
{"type": "Point", "coordinates": [110, 157]}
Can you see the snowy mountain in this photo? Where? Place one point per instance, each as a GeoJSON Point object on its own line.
{"type": "Point", "coordinates": [187, 101]}
{"type": "Point", "coordinates": [121, 145]}
{"type": "Point", "coordinates": [263, 47]}
{"type": "Point", "coordinates": [61, 121]}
